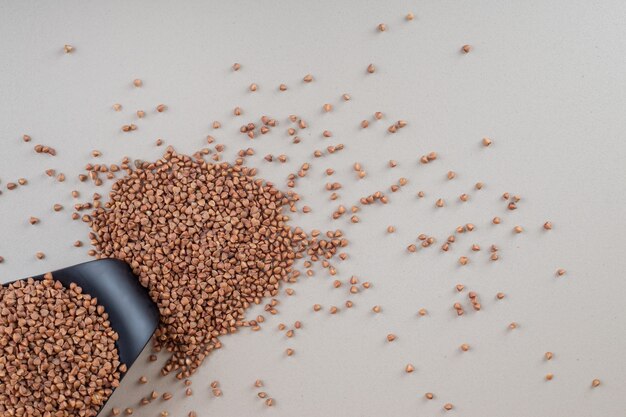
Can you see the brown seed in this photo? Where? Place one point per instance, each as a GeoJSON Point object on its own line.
{"type": "Point", "coordinates": [40, 255]}
{"type": "Point", "coordinates": [547, 225]}
{"type": "Point", "coordinates": [422, 312]}
{"type": "Point", "coordinates": [128, 411]}
{"type": "Point", "coordinates": [549, 377]}
{"type": "Point", "coordinates": [391, 337]}
{"type": "Point", "coordinates": [289, 352]}
{"type": "Point", "coordinates": [364, 124]}
{"type": "Point", "coordinates": [439, 202]}
{"type": "Point", "coordinates": [382, 27]}
{"type": "Point", "coordinates": [143, 380]}
{"type": "Point", "coordinates": [258, 383]}
{"type": "Point", "coordinates": [548, 355]}
{"type": "Point", "coordinates": [518, 229]}
{"type": "Point", "coordinates": [317, 307]}
{"type": "Point", "coordinates": [391, 229]}
{"type": "Point", "coordinates": [463, 260]}
{"type": "Point", "coordinates": [115, 411]}
{"type": "Point", "coordinates": [429, 395]}
{"type": "Point", "coordinates": [327, 107]}
{"type": "Point", "coordinates": [466, 49]}
{"type": "Point", "coordinates": [560, 272]}
{"type": "Point", "coordinates": [117, 107]}
{"type": "Point", "coordinates": [496, 220]}
{"type": "Point", "coordinates": [409, 368]}
{"type": "Point", "coordinates": [465, 347]}
{"type": "Point", "coordinates": [333, 310]}
{"type": "Point", "coordinates": [137, 82]}
{"type": "Point", "coordinates": [236, 66]}
{"type": "Point", "coordinates": [346, 97]}
{"type": "Point", "coordinates": [308, 78]}
{"type": "Point", "coordinates": [376, 309]}
{"type": "Point", "coordinates": [595, 383]}
{"type": "Point", "coordinates": [371, 68]}
{"type": "Point", "coordinates": [68, 49]}
{"type": "Point", "coordinates": [513, 326]}
{"type": "Point", "coordinates": [486, 141]}
{"type": "Point", "coordinates": [500, 295]}
{"type": "Point", "coordinates": [448, 407]}
{"type": "Point", "coordinates": [479, 186]}
{"type": "Point", "coordinates": [167, 396]}
{"type": "Point", "coordinates": [410, 16]}
{"type": "Point", "coordinates": [253, 87]}
{"type": "Point", "coordinates": [33, 220]}
{"type": "Point", "coordinates": [269, 402]}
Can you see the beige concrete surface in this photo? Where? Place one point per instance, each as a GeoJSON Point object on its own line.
{"type": "Point", "coordinates": [545, 80]}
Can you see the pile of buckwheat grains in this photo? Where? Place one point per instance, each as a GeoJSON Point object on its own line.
{"type": "Point", "coordinates": [207, 240]}
{"type": "Point", "coordinates": [57, 351]}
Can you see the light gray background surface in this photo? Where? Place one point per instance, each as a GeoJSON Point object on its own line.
{"type": "Point", "coordinates": [546, 81]}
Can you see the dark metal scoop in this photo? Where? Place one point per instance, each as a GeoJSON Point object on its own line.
{"type": "Point", "coordinates": [132, 313]}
